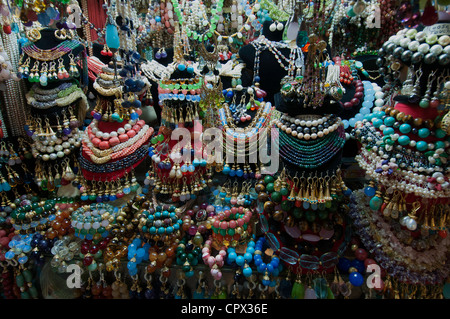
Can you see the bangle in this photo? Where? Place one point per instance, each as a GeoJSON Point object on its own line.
{"type": "Point", "coordinates": [230, 226]}
{"type": "Point", "coordinates": [90, 220]}
{"type": "Point", "coordinates": [160, 222]}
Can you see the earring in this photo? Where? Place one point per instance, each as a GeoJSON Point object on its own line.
{"type": "Point", "coordinates": [425, 102]}
{"type": "Point", "coordinates": [52, 75]}
{"type": "Point", "coordinates": [62, 72]}
{"type": "Point", "coordinates": [273, 27]}
{"type": "Point", "coordinates": [280, 26]}
{"type": "Point", "coordinates": [106, 51]}
{"type": "Point", "coordinates": [415, 95]}
{"type": "Point", "coordinates": [73, 70]}
{"type": "Point", "coordinates": [60, 34]}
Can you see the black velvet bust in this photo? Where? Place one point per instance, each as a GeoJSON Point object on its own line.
{"type": "Point", "coordinates": [270, 72]}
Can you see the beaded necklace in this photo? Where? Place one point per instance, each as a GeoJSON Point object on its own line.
{"type": "Point", "coordinates": [51, 54]}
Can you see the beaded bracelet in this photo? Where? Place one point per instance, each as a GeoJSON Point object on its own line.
{"type": "Point", "coordinates": [231, 231]}
{"type": "Point", "coordinates": [161, 222]}
{"type": "Point", "coordinates": [93, 219]}
{"type": "Point", "coordinates": [33, 214]}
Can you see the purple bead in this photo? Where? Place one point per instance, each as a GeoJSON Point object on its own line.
{"type": "Point", "coordinates": [203, 206]}
{"type": "Point", "coordinates": [74, 124]}
{"type": "Point", "coordinates": [30, 133]}
{"type": "Point", "coordinates": [164, 54]}
{"type": "Point", "coordinates": [67, 131]}
{"type": "Point", "coordinates": [97, 116]}
{"type": "Point", "coordinates": [378, 170]}
{"type": "Point", "coordinates": [157, 55]}
{"type": "Point", "coordinates": [192, 230]}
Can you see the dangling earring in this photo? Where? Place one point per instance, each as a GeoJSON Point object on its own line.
{"type": "Point", "coordinates": [280, 26]}
{"type": "Point", "coordinates": [62, 72]}
{"type": "Point", "coordinates": [415, 95]}
{"type": "Point", "coordinates": [43, 79]}
{"type": "Point", "coordinates": [273, 27]}
{"type": "Point", "coordinates": [52, 76]}
{"type": "Point", "coordinates": [73, 70]}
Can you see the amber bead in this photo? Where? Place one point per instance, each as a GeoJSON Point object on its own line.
{"type": "Point", "coordinates": [59, 218]}
{"type": "Point", "coordinates": [278, 215]}
{"type": "Point", "coordinates": [408, 119]}
{"type": "Point", "coordinates": [394, 112]}
{"type": "Point", "coordinates": [260, 188]}
{"type": "Point", "coordinates": [66, 223]}
{"type": "Point", "coordinates": [388, 110]}
{"type": "Point", "coordinates": [153, 256]}
{"type": "Point", "coordinates": [168, 262]}
{"type": "Point", "coordinates": [170, 252]}
{"type": "Point", "coordinates": [151, 268]}
{"type": "Point", "coordinates": [162, 256]}
{"type": "Point", "coordinates": [269, 206]}
{"type": "Point", "coordinates": [166, 272]}
{"type": "Point", "coordinates": [65, 214]}
{"type": "Point", "coordinates": [263, 197]}
{"type": "Point", "coordinates": [289, 221]}
{"type": "Point", "coordinates": [186, 226]}
{"type": "Point", "coordinates": [52, 234]}
{"type": "Point", "coordinates": [428, 124]}
{"type": "Point", "coordinates": [56, 225]}
{"type": "Point", "coordinates": [400, 116]}
{"type": "Point", "coordinates": [417, 122]}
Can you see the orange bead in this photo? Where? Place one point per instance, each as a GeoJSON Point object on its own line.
{"type": "Point", "coordinates": [66, 214]}
{"type": "Point", "coordinates": [52, 234]}
{"type": "Point", "coordinates": [153, 256]}
{"type": "Point", "coordinates": [168, 262]}
{"type": "Point", "coordinates": [56, 225]}
{"type": "Point", "coordinates": [170, 252]}
{"type": "Point", "coordinates": [162, 257]}
{"type": "Point", "coordinates": [66, 223]}
{"type": "Point", "coordinates": [151, 268]}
